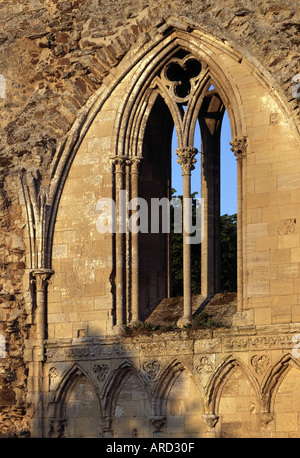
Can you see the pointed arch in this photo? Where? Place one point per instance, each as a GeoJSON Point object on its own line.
{"type": "Point", "coordinates": [115, 383]}
{"type": "Point", "coordinates": [68, 382]}
{"type": "Point", "coordinates": [146, 80]}
{"type": "Point", "coordinates": [164, 384]}
{"type": "Point", "coordinates": [221, 376]}
{"type": "Point", "coordinates": [76, 417]}
{"type": "Point", "coordinates": [274, 379]}
{"type": "Point", "coordinates": [132, 94]}
{"type": "Point", "coordinates": [127, 402]}
{"type": "Point", "coordinates": [166, 381]}
{"type": "Point", "coordinates": [138, 98]}
{"type": "Point", "coordinates": [178, 399]}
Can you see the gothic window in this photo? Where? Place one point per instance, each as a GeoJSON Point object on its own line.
{"type": "Point", "coordinates": [180, 95]}
{"type": "Point", "coordinates": [187, 100]}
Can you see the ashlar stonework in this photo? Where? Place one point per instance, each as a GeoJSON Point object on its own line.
{"type": "Point", "coordinates": [90, 94]}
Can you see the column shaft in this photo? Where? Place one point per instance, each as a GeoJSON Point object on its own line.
{"type": "Point", "coordinates": [187, 273]}
{"type": "Point", "coordinates": [41, 279]}
{"type": "Point", "coordinates": [210, 193]}
{"type": "Point", "coordinates": [239, 147]}
{"type": "Point", "coordinates": [186, 158]}
{"type": "Point", "coordinates": [135, 312]}
{"type": "Point", "coordinates": [120, 163]}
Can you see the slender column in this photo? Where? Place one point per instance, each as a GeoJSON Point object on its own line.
{"type": "Point", "coordinates": [41, 279]}
{"type": "Point", "coordinates": [127, 274]}
{"type": "Point", "coordinates": [186, 158]}
{"type": "Point", "coordinates": [210, 192]}
{"type": "Point", "coordinates": [119, 169]}
{"type": "Point", "coordinates": [239, 146]}
{"type": "Point", "coordinates": [135, 312]}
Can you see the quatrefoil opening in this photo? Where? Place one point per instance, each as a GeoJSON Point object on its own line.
{"type": "Point", "coordinates": [181, 75]}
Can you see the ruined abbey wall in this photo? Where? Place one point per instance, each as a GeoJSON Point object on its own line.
{"type": "Point", "coordinates": [74, 73]}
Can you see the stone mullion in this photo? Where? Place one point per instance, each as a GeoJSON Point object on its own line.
{"type": "Point", "coordinates": [186, 158]}
{"type": "Point", "coordinates": [216, 218]}
{"type": "Point", "coordinates": [128, 271]}
{"type": "Point", "coordinates": [210, 248]}
{"type": "Point", "coordinates": [135, 312]}
{"type": "Point", "coordinates": [239, 235]}
{"type": "Point", "coordinates": [41, 279]}
{"type": "Point", "coordinates": [239, 146]}
{"type": "Point", "coordinates": [119, 170]}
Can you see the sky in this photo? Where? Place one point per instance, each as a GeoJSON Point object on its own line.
{"type": "Point", "coordinates": [228, 170]}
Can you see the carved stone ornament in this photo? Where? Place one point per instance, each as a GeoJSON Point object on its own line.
{"type": "Point", "coordinates": [239, 146]}
{"type": "Point", "coordinates": [265, 418]}
{"type": "Point", "coordinates": [135, 163]}
{"type": "Point", "coordinates": [105, 426]}
{"type": "Point", "coordinates": [260, 363]}
{"type": "Point", "coordinates": [41, 278]}
{"type": "Point", "coordinates": [101, 370]}
{"type": "Point", "coordinates": [204, 365]}
{"type": "Point", "coordinates": [210, 419]}
{"type": "Point", "coordinates": [57, 427]}
{"type": "Point", "coordinates": [120, 163]}
{"type": "Point", "coordinates": [158, 422]}
{"type": "Point", "coordinates": [53, 373]}
{"type": "Point", "coordinates": [151, 369]}
{"type": "Point", "coordinates": [186, 158]}
{"type": "Point", "coordinates": [286, 227]}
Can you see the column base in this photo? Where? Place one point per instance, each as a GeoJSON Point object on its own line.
{"type": "Point", "coordinates": [118, 329]}
{"type": "Point", "coordinates": [185, 321]}
{"type": "Point", "coordinates": [134, 323]}
{"type": "Point", "coordinates": [244, 318]}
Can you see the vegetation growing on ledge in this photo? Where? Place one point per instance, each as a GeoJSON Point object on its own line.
{"type": "Point", "coordinates": [201, 321]}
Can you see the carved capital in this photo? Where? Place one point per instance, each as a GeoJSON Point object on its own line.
{"type": "Point", "coordinates": [158, 422]}
{"type": "Point", "coordinates": [41, 278]}
{"type": "Point", "coordinates": [265, 418]}
{"type": "Point", "coordinates": [210, 419]}
{"type": "Point", "coordinates": [120, 163]}
{"type": "Point", "coordinates": [186, 158]}
{"type": "Point", "coordinates": [57, 428]}
{"type": "Point", "coordinates": [239, 147]}
{"type": "Point", "coordinates": [135, 163]}
{"type": "Point", "coordinates": [105, 426]}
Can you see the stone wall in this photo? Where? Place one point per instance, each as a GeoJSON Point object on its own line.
{"type": "Point", "coordinates": [58, 59]}
{"type": "Point", "coordinates": [182, 384]}
{"type": "Point", "coordinates": [54, 55]}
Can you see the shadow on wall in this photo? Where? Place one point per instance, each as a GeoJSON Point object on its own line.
{"type": "Point", "coordinates": [161, 386]}
{"type": "Point", "coordinates": [117, 395]}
